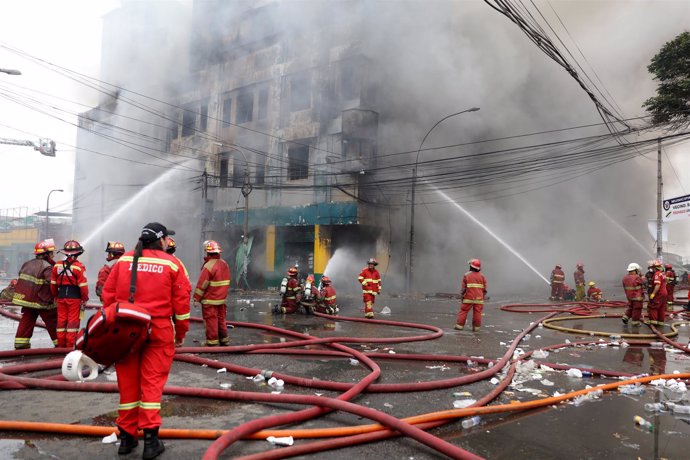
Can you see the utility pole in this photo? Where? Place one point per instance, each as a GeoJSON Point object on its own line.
{"type": "Point", "coordinates": [659, 187]}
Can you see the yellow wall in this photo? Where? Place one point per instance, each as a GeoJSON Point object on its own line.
{"type": "Point", "coordinates": [19, 236]}
{"type": "Point", "coordinates": [322, 248]}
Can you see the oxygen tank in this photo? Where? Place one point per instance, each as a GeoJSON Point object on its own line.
{"type": "Point", "coordinates": [283, 286]}
{"type": "Point", "coordinates": [308, 286]}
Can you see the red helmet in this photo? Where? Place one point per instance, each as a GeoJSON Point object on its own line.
{"type": "Point", "coordinates": [558, 266]}
{"type": "Point", "coordinates": [579, 265]}
{"type": "Point", "coordinates": [657, 263]}
{"type": "Point", "coordinates": [212, 247]}
{"type": "Point", "coordinates": [44, 246]}
{"type": "Point", "coordinates": [292, 271]}
{"type": "Point", "coordinates": [650, 263]}
{"type": "Point", "coordinates": [668, 267]}
{"type": "Point", "coordinates": [475, 263]}
{"type": "Point", "coordinates": [13, 283]}
{"type": "Point", "coordinates": [115, 247]}
{"type": "Point", "coordinates": [325, 280]}
{"type": "Point", "coordinates": [372, 261]}
{"type": "Point", "coordinates": [72, 248]}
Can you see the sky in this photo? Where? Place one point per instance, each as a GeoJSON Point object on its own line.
{"type": "Point", "coordinates": [64, 33]}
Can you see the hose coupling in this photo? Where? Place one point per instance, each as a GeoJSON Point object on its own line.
{"type": "Point", "coordinates": [267, 374]}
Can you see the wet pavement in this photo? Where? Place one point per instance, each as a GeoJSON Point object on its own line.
{"type": "Point", "coordinates": [596, 428]}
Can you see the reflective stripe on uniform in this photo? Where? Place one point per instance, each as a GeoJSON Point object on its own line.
{"type": "Point", "coordinates": [150, 405]}
{"type": "Point", "coordinates": [32, 279]}
{"type": "Point", "coordinates": [632, 288]}
{"type": "Point", "coordinates": [472, 301]}
{"type": "Point", "coordinates": [475, 285]}
{"type": "Point", "coordinates": [369, 292]}
{"type": "Point", "coordinates": [128, 406]}
{"type": "Point", "coordinates": [220, 283]}
{"type": "Point", "coordinates": [369, 280]}
{"type": "Point", "coordinates": [330, 298]}
{"type": "Point", "coordinates": [151, 260]}
{"type": "Point", "coordinates": [182, 317]}
{"type": "Point", "coordinates": [212, 302]}
{"type": "Point", "coordinates": [198, 291]}
{"type": "Point", "coordinates": [26, 303]}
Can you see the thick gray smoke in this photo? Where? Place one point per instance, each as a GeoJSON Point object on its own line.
{"type": "Point", "coordinates": [424, 63]}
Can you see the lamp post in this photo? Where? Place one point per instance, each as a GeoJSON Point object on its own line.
{"type": "Point", "coordinates": [410, 266]}
{"type": "Point", "coordinates": [48, 210]}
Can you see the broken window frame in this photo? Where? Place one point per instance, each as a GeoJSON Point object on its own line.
{"type": "Point", "coordinates": [298, 162]}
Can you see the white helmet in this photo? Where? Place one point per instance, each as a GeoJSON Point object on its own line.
{"type": "Point", "coordinates": [77, 365]}
{"type": "Point", "coordinates": [633, 266]}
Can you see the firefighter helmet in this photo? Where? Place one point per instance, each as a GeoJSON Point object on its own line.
{"type": "Point", "coordinates": [115, 247]}
{"type": "Point", "coordinates": [579, 265]}
{"type": "Point", "coordinates": [633, 266]}
{"type": "Point", "coordinates": [475, 263]}
{"type": "Point", "coordinates": [212, 247]}
{"type": "Point", "coordinates": [78, 367]}
{"type": "Point", "coordinates": [657, 263]}
{"type": "Point", "coordinates": [325, 280]}
{"type": "Point", "coordinates": [171, 245]}
{"type": "Point", "coordinates": [592, 283]}
{"type": "Point", "coordinates": [559, 266]}
{"type": "Point", "coordinates": [72, 248]}
{"type": "Point", "coordinates": [372, 261]}
{"type": "Point", "coordinates": [668, 267]}
{"type": "Point", "coordinates": [292, 271]}
{"type": "Point", "coordinates": [45, 246]}
{"type": "Point", "coordinates": [650, 263]}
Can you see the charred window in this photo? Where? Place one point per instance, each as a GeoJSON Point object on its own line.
{"type": "Point", "coordinates": [239, 168]}
{"type": "Point", "coordinates": [227, 111]}
{"type": "Point", "coordinates": [348, 81]}
{"type": "Point", "coordinates": [188, 122]}
{"type": "Point", "coordinates": [300, 92]}
{"type": "Point", "coordinates": [260, 174]}
{"type": "Point", "coordinates": [298, 162]}
{"type": "Point", "coordinates": [245, 107]}
{"type": "Point", "coordinates": [263, 104]}
{"type": "Point", "coordinates": [174, 127]}
{"type": "Point", "coordinates": [224, 169]}
{"type": "Point", "coordinates": [203, 121]}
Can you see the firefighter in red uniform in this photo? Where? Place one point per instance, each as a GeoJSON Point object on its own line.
{"type": "Point", "coordinates": [164, 290]}
{"type": "Point", "coordinates": [579, 276]}
{"type": "Point", "coordinates": [326, 302]}
{"type": "Point", "coordinates": [657, 299]}
{"type": "Point", "coordinates": [671, 281]}
{"type": "Point", "coordinates": [211, 292]}
{"type": "Point", "coordinates": [32, 292]}
{"type": "Point", "coordinates": [594, 294]}
{"type": "Point", "coordinates": [473, 292]}
{"type": "Point", "coordinates": [370, 279]}
{"type": "Point", "coordinates": [68, 284]}
{"type": "Point", "coordinates": [291, 293]}
{"type": "Point", "coordinates": [557, 280]}
{"type": "Point", "coordinates": [634, 291]}
{"type": "Point", "coordinates": [171, 248]}
{"type": "Point", "coordinates": [114, 250]}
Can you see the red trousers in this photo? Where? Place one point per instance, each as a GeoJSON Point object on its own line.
{"type": "Point", "coordinates": [368, 300]}
{"type": "Point", "coordinates": [289, 305]}
{"type": "Point", "coordinates": [669, 293]}
{"type": "Point", "coordinates": [214, 321]}
{"type": "Point", "coordinates": [557, 290]}
{"type": "Point", "coordinates": [634, 310]}
{"type": "Point", "coordinates": [476, 314]}
{"type": "Point", "coordinates": [25, 330]}
{"type": "Point", "coordinates": [657, 308]}
{"type": "Point", "coordinates": [141, 377]}
{"type": "Point", "coordinates": [67, 321]}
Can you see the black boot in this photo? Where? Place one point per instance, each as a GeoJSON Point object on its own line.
{"type": "Point", "coordinates": [127, 442]}
{"type": "Point", "coordinates": [153, 446]}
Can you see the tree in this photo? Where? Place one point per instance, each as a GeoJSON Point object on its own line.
{"type": "Point", "coordinates": [671, 67]}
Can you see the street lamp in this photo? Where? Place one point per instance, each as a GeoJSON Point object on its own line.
{"type": "Point", "coordinates": [410, 266]}
{"type": "Point", "coordinates": [10, 71]}
{"type": "Point", "coordinates": [48, 209]}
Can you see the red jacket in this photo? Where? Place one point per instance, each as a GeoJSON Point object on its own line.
{"type": "Point", "coordinates": [162, 287]}
{"type": "Point", "coordinates": [328, 295]}
{"type": "Point", "coordinates": [214, 282]}
{"type": "Point", "coordinates": [594, 293]}
{"type": "Point", "coordinates": [370, 279]}
{"type": "Point", "coordinates": [473, 287]}
{"type": "Point", "coordinates": [33, 286]}
{"type": "Point", "coordinates": [634, 287]}
{"type": "Point", "coordinates": [102, 278]}
{"type": "Point", "coordinates": [68, 280]}
{"type": "Point", "coordinates": [660, 279]}
{"type": "Point", "coordinates": [557, 276]}
{"type": "Point", "coordinates": [670, 277]}
{"type": "Point", "coordinates": [293, 289]}
{"type": "Point", "coordinates": [579, 276]}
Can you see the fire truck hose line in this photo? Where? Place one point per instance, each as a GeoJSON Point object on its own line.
{"type": "Point", "coordinates": [385, 426]}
